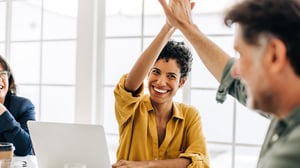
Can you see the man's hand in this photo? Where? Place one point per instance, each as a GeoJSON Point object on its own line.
{"type": "Point", "coordinates": [178, 12]}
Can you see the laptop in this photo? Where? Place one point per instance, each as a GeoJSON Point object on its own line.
{"type": "Point", "coordinates": [56, 144]}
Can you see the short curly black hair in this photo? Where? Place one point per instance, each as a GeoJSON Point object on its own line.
{"type": "Point", "coordinates": [181, 53]}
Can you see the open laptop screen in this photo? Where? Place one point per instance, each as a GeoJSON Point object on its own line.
{"type": "Point", "coordinates": [56, 144]}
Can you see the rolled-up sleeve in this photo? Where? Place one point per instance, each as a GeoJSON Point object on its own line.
{"type": "Point", "coordinates": [197, 160]}
{"type": "Point", "coordinates": [230, 85]}
{"type": "Point", "coordinates": [195, 143]}
{"type": "Point", "coordinates": [234, 87]}
{"type": "Point", "coordinates": [124, 101]}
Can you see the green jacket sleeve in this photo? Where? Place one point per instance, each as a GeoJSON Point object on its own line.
{"type": "Point", "coordinates": [234, 87]}
{"type": "Point", "coordinates": [230, 85]}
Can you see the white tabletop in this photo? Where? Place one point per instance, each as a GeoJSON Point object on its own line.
{"type": "Point", "coordinates": [24, 162]}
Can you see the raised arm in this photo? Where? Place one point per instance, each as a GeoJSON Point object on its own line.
{"type": "Point", "coordinates": [142, 66]}
{"type": "Point", "coordinates": [178, 13]}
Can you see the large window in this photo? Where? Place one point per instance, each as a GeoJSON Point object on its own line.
{"type": "Point", "coordinates": [40, 44]}
{"type": "Point", "coordinates": [67, 56]}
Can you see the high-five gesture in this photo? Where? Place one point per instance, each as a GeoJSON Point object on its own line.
{"type": "Point", "coordinates": [178, 12]}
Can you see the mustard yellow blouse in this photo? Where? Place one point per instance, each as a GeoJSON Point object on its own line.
{"type": "Point", "coordinates": [138, 134]}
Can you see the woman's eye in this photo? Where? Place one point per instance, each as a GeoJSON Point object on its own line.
{"type": "Point", "coordinates": [155, 71]}
{"type": "Point", "coordinates": [171, 76]}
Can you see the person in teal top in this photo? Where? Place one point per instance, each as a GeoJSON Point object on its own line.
{"type": "Point", "coordinates": [265, 77]}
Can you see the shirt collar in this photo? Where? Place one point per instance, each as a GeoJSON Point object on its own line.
{"type": "Point", "coordinates": [293, 118]}
{"type": "Point", "coordinates": [176, 112]}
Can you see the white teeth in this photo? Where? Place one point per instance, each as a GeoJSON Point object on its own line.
{"type": "Point", "coordinates": [160, 91]}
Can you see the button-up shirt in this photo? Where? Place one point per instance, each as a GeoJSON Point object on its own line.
{"type": "Point", "coordinates": [138, 133]}
{"type": "Point", "coordinates": [281, 147]}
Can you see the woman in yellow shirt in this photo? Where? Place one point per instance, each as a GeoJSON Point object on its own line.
{"type": "Point", "coordinates": [154, 130]}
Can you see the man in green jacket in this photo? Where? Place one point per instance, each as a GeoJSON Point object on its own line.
{"type": "Point", "coordinates": [266, 76]}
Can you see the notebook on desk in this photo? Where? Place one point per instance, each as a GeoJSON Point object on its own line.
{"type": "Point", "coordinates": [56, 144]}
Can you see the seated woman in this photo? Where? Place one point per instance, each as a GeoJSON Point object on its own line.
{"type": "Point", "coordinates": [15, 111]}
{"type": "Point", "coordinates": [154, 130]}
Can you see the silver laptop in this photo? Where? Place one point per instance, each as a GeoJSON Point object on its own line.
{"type": "Point", "coordinates": [57, 144]}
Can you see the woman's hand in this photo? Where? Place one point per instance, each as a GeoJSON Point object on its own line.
{"type": "Point", "coordinates": [178, 12]}
{"type": "Point", "coordinates": [130, 164]}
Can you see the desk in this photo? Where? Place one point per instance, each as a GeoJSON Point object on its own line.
{"type": "Point", "coordinates": [24, 162]}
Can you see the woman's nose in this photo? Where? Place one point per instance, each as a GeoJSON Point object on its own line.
{"type": "Point", "coordinates": [161, 81]}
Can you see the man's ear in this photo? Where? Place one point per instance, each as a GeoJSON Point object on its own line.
{"type": "Point", "coordinates": [182, 81]}
{"type": "Point", "coordinates": [278, 57]}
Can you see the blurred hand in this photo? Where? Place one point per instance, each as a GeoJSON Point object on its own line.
{"type": "Point", "coordinates": [178, 12]}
